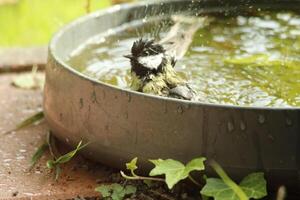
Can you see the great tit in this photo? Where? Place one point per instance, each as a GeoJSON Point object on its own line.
{"type": "Point", "coordinates": [152, 71]}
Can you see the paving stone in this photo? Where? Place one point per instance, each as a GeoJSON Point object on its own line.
{"type": "Point", "coordinates": [16, 181]}
{"type": "Point", "coordinates": [21, 59]}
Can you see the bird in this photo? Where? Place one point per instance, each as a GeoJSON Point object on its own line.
{"type": "Point", "coordinates": [152, 71]}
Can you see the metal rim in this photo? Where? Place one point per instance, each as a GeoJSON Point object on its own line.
{"type": "Point", "coordinates": [53, 42]}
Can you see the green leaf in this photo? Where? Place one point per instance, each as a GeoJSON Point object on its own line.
{"type": "Point", "coordinates": [31, 120]}
{"type": "Point", "coordinates": [27, 122]}
{"type": "Point", "coordinates": [217, 189]}
{"type": "Point", "coordinates": [116, 191]}
{"type": "Point", "coordinates": [38, 154]}
{"type": "Point", "coordinates": [175, 170]}
{"type": "Point", "coordinates": [195, 164]}
{"type": "Point", "coordinates": [67, 157]}
{"type": "Point", "coordinates": [30, 81]}
{"type": "Point", "coordinates": [132, 164]}
{"type": "Point", "coordinates": [105, 190]}
{"type": "Point", "coordinates": [51, 140]}
{"type": "Point", "coordinates": [254, 185]}
{"type": "Point", "coordinates": [50, 164]}
{"type": "Point", "coordinates": [227, 180]}
{"type": "Point", "coordinates": [63, 159]}
{"type": "Point", "coordinates": [130, 189]}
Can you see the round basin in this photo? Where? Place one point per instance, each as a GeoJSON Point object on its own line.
{"type": "Point", "coordinates": [122, 124]}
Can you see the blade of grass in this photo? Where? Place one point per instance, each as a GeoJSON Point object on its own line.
{"type": "Point", "coordinates": [31, 120]}
{"type": "Point", "coordinates": [57, 172]}
{"type": "Point", "coordinates": [67, 157]}
{"type": "Point", "coordinates": [51, 140]}
{"type": "Point", "coordinates": [38, 154]}
{"type": "Point", "coordinates": [27, 122]}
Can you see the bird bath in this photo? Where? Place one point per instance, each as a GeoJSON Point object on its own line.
{"type": "Point", "coordinates": [122, 124]}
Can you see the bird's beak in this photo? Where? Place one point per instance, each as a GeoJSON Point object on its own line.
{"type": "Point", "coordinates": [128, 56]}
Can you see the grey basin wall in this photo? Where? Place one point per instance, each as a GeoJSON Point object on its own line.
{"type": "Point", "coordinates": [123, 124]}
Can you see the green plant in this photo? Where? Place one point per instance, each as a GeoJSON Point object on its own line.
{"type": "Point", "coordinates": [56, 160]}
{"type": "Point", "coordinates": [223, 188]}
{"type": "Point", "coordinates": [173, 170]}
{"type": "Point", "coordinates": [35, 118]}
{"type": "Point", "coordinates": [252, 186]}
{"type": "Point", "coordinates": [116, 191]}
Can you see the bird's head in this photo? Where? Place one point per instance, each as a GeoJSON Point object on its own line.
{"type": "Point", "coordinates": [147, 57]}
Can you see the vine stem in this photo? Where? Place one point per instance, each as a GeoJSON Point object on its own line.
{"type": "Point", "coordinates": [194, 181]}
{"type": "Point", "coordinates": [140, 177]}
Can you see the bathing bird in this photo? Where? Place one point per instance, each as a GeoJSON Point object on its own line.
{"type": "Point", "coordinates": [152, 71]}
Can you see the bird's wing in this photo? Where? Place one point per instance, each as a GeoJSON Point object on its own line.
{"type": "Point", "coordinates": [182, 92]}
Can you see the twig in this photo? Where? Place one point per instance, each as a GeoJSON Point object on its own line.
{"type": "Point", "coordinates": [180, 36]}
{"type": "Point", "coordinates": [141, 177]}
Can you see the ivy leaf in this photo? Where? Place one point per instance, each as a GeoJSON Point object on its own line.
{"type": "Point", "coordinates": [132, 165]}
{"type": "Point", "coordinates": [254, 185]}
{"type": "Point", "coordinates": [105, 190]}
{"type": "Point", "coordinates": [175, 170]}
{"type": "Point", "coordinates": [130, 189]}
{"type": "Point", "coordinates": [116, 191]}
{"type": "Point", "coordinates": [195, 164]}
{"type": "Point", "coordinates": [217, 189]}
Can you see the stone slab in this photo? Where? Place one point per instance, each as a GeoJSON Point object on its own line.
{"type": "Point", "coordinates": [78, 177]}
{"type": "Point", "coordinates": [22, 59]}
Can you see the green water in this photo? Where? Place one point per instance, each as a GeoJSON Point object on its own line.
{"type": "Point", "coordinates": [250, 61]}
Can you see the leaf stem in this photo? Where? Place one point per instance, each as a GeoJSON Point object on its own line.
{"type": "Point", "coordinates": [228, 181]}
{"type": "Point", "coordinates": [136, 177]}
{"type": "Point", "coordinates": [194, 181]}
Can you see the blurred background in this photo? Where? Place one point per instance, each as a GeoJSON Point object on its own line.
{"type": "Point", "coordinates": [26, 23]}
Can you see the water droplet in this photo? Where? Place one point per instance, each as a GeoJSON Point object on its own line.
{"type": "Point", "coordinates": [129, 97]}
{"type": "Point", "coordinates": [180, 109]}
{"type": "Point", "coordinates": [288, 122]}
{"type": "Point", "coordinates": [187, 106]}
{"type": "Point", "coordinates": [261, 119]}
{"type": "Point", "coordinates": [242, 126]}
{"type": "Point", "coordinates": [230, 126]}
{"type": "Point", "coordinates": [271, 138]}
